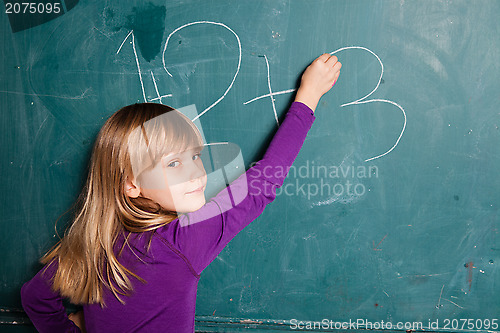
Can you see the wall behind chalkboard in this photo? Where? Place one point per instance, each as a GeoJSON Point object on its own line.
{"type": "Point", "coordinates": [391, 211]}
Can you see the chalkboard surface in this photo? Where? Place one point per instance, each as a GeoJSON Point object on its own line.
{"type": "Point", "coordinates": [391, 212]}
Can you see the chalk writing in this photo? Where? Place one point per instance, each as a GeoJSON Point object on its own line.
{"type": "Point", "coordinates": [358, 101]}
{"type": "Point", "coordinates": [157, 92]}
{"type": "Point", "coordinates": [131, 33]}
{"type": "Point", "coordinates": [271, 94]}
{"type": "Point", "coordinates": [237, 69]}
{"type": "Point", "coordinates": [271, 91]}
{"type": "Point", "coordinates": [363, 101]}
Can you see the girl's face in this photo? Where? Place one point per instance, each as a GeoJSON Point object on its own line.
{"type": "Point", "coordinates": [178, 182]}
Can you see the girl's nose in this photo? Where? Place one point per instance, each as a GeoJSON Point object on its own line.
{"type": "Point", "coordinates": [196, 170]}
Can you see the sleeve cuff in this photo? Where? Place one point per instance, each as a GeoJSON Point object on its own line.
{"type": "Point", "coordinates": [303, 108]}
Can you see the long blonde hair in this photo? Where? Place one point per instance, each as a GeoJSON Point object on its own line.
{"type": "Point", "coordinates": [85, 255]}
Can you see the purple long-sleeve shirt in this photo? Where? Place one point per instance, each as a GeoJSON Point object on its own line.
{"type": "Point", "coordinates": [179, 251]}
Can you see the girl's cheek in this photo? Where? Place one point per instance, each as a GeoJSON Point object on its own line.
{"type": "Point", "coordinates": [176, 176]}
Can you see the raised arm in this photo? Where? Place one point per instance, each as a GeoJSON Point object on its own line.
{"type": "Point", "coordinates": [318, 79]}
{"type": "Point", "coordinates": [201, 235]}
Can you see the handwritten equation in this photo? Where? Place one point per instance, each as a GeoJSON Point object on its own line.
{"type": "Point", "coordinates": [271, 94]}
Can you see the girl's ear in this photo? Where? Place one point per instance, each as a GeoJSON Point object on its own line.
{"type": "Point", "coordinates": [131, 188]}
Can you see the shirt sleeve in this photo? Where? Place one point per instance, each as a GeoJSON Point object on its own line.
{"type": "Point", "coordinates": [44, 306]}
{"type": "Point", "coordinates": [201, 235]}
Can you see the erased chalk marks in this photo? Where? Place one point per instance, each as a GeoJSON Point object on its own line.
{"type": "Point", "coordinates": [148, 22]}
{"type": "Point", "coordinates": [416, 277]}
{"type": "Point", "coordinates": [344, 184]}
{"type": "Point", "coordinates": [345, 199]}
{"type": "Point", "coordinates": [82, 96]}
{"type": "Point", "coordinates": [237, 69]}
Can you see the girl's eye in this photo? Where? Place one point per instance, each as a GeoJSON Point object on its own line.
{"type": "Point", "coordinates": [174, 164]}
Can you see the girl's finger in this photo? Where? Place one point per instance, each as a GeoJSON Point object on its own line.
{"type": "Point", "coordinates": [332, 60]}
{"type": "Point", "coordinates": [336, 76]}
{"type": "Point", "coordinates": [337, 66]}
{"type": "Point", "coordinates": [324, 57]}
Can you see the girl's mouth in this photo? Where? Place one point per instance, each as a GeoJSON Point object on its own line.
{"type": "Point", "coordinates": [198, 190]}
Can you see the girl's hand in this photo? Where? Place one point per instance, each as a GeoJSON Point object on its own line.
{"type": "Point", "coordinates": [318, 78]}
{"type": "Point", "coordinates": [78, 319]}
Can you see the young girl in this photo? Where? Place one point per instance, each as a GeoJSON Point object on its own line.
{"type": "Point", "coordinates": [143, 233]}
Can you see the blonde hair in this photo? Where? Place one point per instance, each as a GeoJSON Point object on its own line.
{"type": "Point", "coordinates": [85, 255]}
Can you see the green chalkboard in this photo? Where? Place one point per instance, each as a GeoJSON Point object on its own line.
{"type": "Point", "coordinates": [391, 212]}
